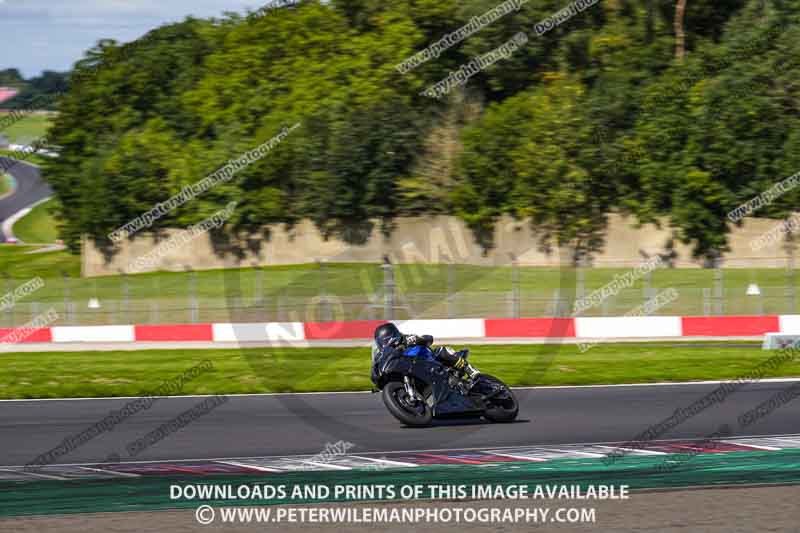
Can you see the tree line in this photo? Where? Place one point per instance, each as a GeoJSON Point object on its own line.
{"type": "Point", "coordinates": [661, 110]}
{"type": "Point", "coordinates": [38, 92]}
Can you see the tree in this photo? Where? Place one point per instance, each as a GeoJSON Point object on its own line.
{"type": "Point", "coordinates": [680, 35]}
{"type": "Point", "coordinates": [717, 131]}
{"type": "Point", "coordinates": [527, 157]}
{"type": "Point", "coordinates": [594, 116]}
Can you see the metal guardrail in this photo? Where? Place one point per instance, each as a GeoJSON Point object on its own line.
{"type": "Point", "coordinates": [387, 292]}
{"type": "Point", "coordinates": [695, 302]}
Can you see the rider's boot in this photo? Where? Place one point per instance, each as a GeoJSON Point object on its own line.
{"type": "Point", "coordinates": [471, 372]}
{"type": "Point", "coordinates": [468, 371]}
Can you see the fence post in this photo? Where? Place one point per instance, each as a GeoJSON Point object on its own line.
{"type": "Point", "coordinates": [35, 307]}
{"type": "Point", "coordinates": [388, 289]}
{"type": "Point", "coordinates": [451, 282]}
{"type": "Point", "coordinates": [193, 304]}
{"type": "Point", "coordinates": [67, 307]}
{"type": "Point", "coordinates": [706, 301]}
{"type": "Point", "coordinates": [9, 290]}
{"type": "Point", "coordinates": [791, 289]}
{"type": "Point", "coordinates": [125, 298]}
{"type": "Point", "coordinates": [324, 311]}
{"type": "Point", "coordinates": [515, 305]}
{"type": "Point", "coordinates": [719, 291]}
{"type": "Point", "coordinates": [557, 307]}
{"type": "Point", "coordinates": [649, 295]}
{"type": "Point", "coordinates": [605, 305]}
{"type": "Point", "coordinates": [259, 296]}
{"type": "Point", "coordinates": [262, 301]}
{"type": "Point", "coordinates": [98, 304]}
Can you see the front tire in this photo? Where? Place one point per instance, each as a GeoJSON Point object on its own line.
{"type": "Point", "coordinates": [502, 409]}
{"type": "Point", "coordinates": [410, 412]}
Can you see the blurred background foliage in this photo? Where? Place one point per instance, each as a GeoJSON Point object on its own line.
{"type": "Point", "coordinates": [600, 114]}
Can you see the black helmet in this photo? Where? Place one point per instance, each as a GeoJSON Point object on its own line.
{"type": "Point", "coordinates": [387, 334]}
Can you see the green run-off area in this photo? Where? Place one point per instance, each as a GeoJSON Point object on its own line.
{"type": "Point", "coordinates": [256, 370]}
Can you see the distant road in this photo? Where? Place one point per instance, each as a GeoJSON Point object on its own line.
{"type": "Point", "coordinates": [30, 189]}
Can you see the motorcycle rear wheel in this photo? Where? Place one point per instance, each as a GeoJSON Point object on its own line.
{"type": "Point", "coordinates": [409, 411]}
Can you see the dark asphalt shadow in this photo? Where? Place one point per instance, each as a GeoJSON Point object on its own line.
{"type": "Point", "coordinates": [467, 421]}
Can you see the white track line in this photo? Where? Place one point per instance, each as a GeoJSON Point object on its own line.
{"type": "Point", "coordinates": [635, 450]}
{"type": "Point", "coordinates": [793, 442]}
{"type": "Point", "coordinates": [40, 347]}
{"type": "Point", "coordinates": [587, 454]}
{"type": "Point", "coordinates": [252, 467]}
{"type": "Point", "coordinates": [327, 465]}
{"type": "Point", "coordinates": [384, 452]}
{"type": "Point", "coordinates": [321, 393]}
{"type": "Point", "coordinates": [255, 395]}
{"type": "Point", "coordinates": [122, 474]}
{"type": "Point", "coordinates": [756, 446]}
{"type": "Point", "coordinates": [34, 474]}
{"type": "Point", "coordinates": [387, 461]}
{"type": "Point", "coordinates": [8, 223]}
{"type": "Point", "coordinates": [515, 456]}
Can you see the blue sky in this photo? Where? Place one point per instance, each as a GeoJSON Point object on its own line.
{"type": "Point", "coordinates": [38, 35]}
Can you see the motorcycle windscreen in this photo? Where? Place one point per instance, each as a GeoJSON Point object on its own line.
{"type": "Point", "coordinates": [376, 351]}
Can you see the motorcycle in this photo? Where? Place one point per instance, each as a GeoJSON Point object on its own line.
{"type": "Point", "coordinates": [416, 388]}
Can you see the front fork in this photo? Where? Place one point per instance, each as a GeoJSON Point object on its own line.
{"type": "Point", "coordinates": [410, 391]}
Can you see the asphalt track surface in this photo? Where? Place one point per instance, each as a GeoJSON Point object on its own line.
{"type": "Point", "coordinates": [286, 424]}
{"type": "Point", "coordinates": [30, 189]}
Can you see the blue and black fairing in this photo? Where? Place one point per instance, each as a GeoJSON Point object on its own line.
{"type": "Point", "coordinates": [420, 363]}
{"type": "Point", "coordinates": [420, 351]}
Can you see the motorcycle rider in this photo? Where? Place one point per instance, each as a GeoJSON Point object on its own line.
{"type": "Point", "coordinates": [387, 336]}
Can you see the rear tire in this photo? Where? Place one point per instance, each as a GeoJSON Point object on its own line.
{"type": "Point", "coordinates": [414, 414]}
{"type": "Point", "coordinates": [502, 410]}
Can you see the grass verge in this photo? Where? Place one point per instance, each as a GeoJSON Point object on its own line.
{"type": "Point", "coordinates": [15, 261]}
{"type": "Point", "coordinates": [38, 226]}
{"type": "Point", "coordinates": [27, 129]}
{"type": "Point", "coordinates": [96, 374]}
{"type": "Point", "coordinates": [6, 184]}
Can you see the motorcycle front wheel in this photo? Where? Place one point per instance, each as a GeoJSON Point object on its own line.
{"type": "Point", "coordinates": [409, 411]}
{"type": "Point", "coordinates": [503, 407]}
